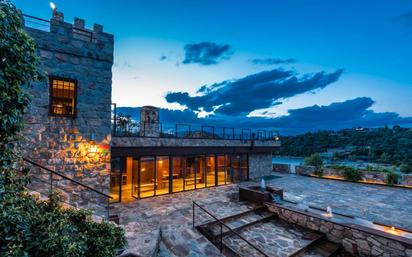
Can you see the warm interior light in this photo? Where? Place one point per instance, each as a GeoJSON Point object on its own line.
{"type": "Point", "coordinates": [52, 5]}
{"type": "Point", "coordinates": [143, 169]}
{"type": "Point", "coordinates": [93, 148]}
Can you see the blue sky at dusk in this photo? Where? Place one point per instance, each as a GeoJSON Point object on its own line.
{"type": "Point", "coordinates": [292, 65]}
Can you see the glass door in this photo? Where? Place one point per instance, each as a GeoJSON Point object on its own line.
{"type": "Point", "coordinates": [221, 170]}
{"type": "Point", "coordinates": [132, 178]}
{"type": "Point", "coordinates": [147, 181]}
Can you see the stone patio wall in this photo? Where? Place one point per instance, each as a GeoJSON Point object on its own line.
{"type": "Point", "coordinates": [282, 168]}
{"type": "Point", "coordinates": [370, 176]}
{"type": "Point", "coordinates": [63, 143]}
{"type": "Point", "coordinates": [260, 165]}
{"type": "Point", "coordinates": [358, 242]}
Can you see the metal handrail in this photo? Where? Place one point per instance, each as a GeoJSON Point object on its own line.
{"type": "Point", "coordinates": [223, 224]}
{"type": "Point", "coordinates": [36, 18]}
{"type": "Point", "coordinates": [65, 177]}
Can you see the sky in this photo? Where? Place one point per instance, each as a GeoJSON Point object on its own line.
{"type": "Point", "coordinates": [296, 66]}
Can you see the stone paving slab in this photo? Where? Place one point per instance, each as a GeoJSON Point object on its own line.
{"type": "Point", "coordinates": [275, 238]}
{"type": "Point", "coordinates": [372, 202]}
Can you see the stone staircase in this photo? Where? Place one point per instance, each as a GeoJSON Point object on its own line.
{"type": "Point", "coordinates": [269, 236]}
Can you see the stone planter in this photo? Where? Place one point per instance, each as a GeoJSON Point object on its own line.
{"type": "Point", "coordinates": [254, 194]}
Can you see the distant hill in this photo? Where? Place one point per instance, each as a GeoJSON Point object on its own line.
{"type": "Point", "coordinates": [382, 145]}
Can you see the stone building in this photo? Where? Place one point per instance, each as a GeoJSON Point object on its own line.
{"type": "Point", "coordinates": [68, 125]}
{"type": "Point", "coordinates": [68, 130]}
{"type": "Point", "coordinates": [152, 162]}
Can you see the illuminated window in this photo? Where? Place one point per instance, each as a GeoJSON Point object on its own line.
{"type": "Point", "coordinates": [63, 96]}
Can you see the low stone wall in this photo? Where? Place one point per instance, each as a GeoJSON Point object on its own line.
{"type": "Point", "coordinates": [407, 180]}
{"type": "Point", "coordinates": [370, 176]}
{"type": "Point", "coordinates": [282, 168]}
{"type": "Point", "coordinates": [356, 239]}
{"type": "Point", "coordinates": [304, 170]}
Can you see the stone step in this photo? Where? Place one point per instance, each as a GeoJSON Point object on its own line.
{"type": "Point", "coordinates": [274, 237]}
{"type": "Point", "coordinates": [322, 248]}
{"type": "Point", "coordinates": [240, 222]}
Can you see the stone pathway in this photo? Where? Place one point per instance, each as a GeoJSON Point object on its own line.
{"type": "Point", "coordinates": [372, 202]}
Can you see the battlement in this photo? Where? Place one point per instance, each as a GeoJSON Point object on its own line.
{"type": "Point", "coordinates": [58, 35]}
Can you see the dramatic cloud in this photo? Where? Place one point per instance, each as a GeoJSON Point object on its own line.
{"type": "Point", "coordinates": [257, 91]}
{"type": "Point", "coordinates": [206, 53]}
{"type": "Point", "coordinates": [351, 113]}
{"type": "Point", "coordinates": [272, 61]}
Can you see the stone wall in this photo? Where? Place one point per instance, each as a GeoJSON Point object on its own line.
{"type": "Point", "coordinates": [260, 165]}
{"type": "Point", "coordinates": [357, 240]}
{"type": "Point", "coordinates": [282, 168]}
{"type": "Point", "coordinates": [304, 170]}
{"type": "Point", "coordinates": [368, 176]}
{"type": "Point", "coordinates": [63, 143]}
{"type": "Point", "coordinates": [407, 180]}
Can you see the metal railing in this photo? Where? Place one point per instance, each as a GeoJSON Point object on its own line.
{"type": "Point", "coordinates": [222, 224]}
{"type": "Point", "coordinates": [80, 192]}
{"type": "Point", "coordinates": [37, 23]}
{"type": "Point", "coordinates": [43, 24]}
{"type": "Point", "coordinates": [122, 128]}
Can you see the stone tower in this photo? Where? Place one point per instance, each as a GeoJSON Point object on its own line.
{"type": "Point", "coordinates": [68, 125]}
{"type": "Point", "coordinates": [149, 121]}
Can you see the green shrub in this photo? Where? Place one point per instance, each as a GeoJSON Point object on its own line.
{"type": "Point", "coordinates": [406, 168]}
{"type": "Point", "coordinates": [352, 174]}
{"type": "Point", "coordinates": [318, 171]}
{"type": "Point", "coordinates": [392, 178]}
{"type": "Point", "coordinates": [314, 160]}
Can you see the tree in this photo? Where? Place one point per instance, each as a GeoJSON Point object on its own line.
{"type": "Point", "coordinates": [406, 168]}
{"type": "Point", "coordinates": [314, 160]}
{"type": "Point", "coordinates": [29, 227]}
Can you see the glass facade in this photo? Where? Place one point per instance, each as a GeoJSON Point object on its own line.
{"type": "Point", "coordinates": [147, 176]}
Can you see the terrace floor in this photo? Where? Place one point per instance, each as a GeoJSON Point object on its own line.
{"type": "Point", "coordinates": [172, 214]}
{"type": "Point", "coordinates": [389, 205]}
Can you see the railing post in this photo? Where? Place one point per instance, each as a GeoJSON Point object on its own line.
{"type": "Point", "coordinates": [221, 237]}
{"type": "Point", "coordinates": [193, 221]}
{"type": "Point", "coordinates": [51, 183]}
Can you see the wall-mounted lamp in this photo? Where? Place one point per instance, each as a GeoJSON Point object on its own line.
{"type": "Point", "coordinates": [92, 144]}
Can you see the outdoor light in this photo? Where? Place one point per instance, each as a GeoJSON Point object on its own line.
{"type": "Point", "coordinates": [92, 145]}
{"type": "Point", "coordinates": [52, 5]}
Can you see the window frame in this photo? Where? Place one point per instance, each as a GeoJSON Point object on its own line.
{"type": "Point", "coordinates": [51, 78]}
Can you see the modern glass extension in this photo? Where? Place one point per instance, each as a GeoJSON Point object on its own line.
{"type": "Point", "coordinates": [134, 178]}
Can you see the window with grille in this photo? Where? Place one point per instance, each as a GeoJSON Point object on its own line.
{"type": "Point", "coordinates": [63, 94]}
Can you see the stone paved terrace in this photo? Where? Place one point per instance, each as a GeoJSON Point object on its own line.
{"type": "Point", "coordinates": [372, 202]}
{"type": "Point", "coordinates": [173, 213]}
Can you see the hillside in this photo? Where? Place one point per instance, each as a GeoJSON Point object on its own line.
{"type": "Point", "coordinates": [383, 145]}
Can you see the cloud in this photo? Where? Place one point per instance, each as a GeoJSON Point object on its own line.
{"type": "Point", "coordinates": [256, 91]}
{"type": "Point", "coordinates": [348, 114]}
{"type": "Point", "coordinates": [272, 61]}
{"type": "Point", "coordinates": [206, 53]}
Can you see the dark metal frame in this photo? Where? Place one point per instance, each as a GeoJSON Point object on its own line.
{"type": "Point", "coordinates": [51, 78]}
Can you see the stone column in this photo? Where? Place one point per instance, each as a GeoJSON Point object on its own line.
{"type": "Point", "coordinates": [149, 121]}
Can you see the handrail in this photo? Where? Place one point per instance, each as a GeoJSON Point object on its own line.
{"type": "Point", "coordinates": [231, 230]}
{"type": "Point", "coordinates": [36, 18]}
{"type": "Point", "coordinates": [65, 177]}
